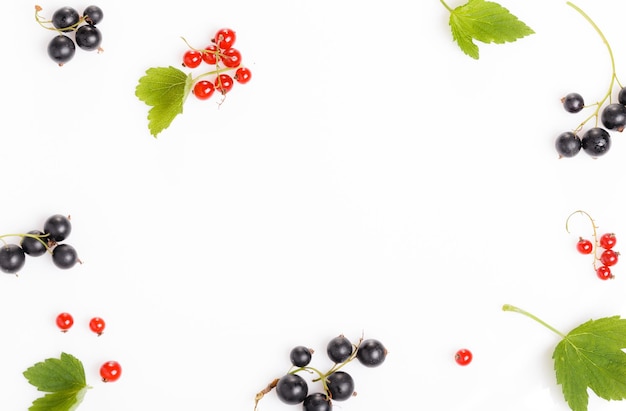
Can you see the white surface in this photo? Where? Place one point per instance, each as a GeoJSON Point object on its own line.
{"type": "Point", "coordinates": [369, 179]}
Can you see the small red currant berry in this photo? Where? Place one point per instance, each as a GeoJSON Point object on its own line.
{"type": "Point", "coordinates": [224, 38]}
{"type": "Point", "coordinates": [604, 272]}
{"type": "Point", "coordinates": [607, 241]}
{"type": "Point", "coordinates": [463, 356]}
{"type": "Point", "coordinates": [242, 75]}
{"type": "Point", "coordinates": [65, 321]}
{"type": "Point", "coordinates": [224, 83]}
{"type": "Point", "coordinates": [110, 371]}
{"type": "Point", "coordinates": [97, 324]}
{"type": "Point", "coordinates": [192, 58]}
{"type": "Point", "coordinates": [231, 57]}
{"type": "Point", "coordinates": [203, 89]}
{"type": "Point", "coordinates": [210, 54]}
{"type": "Point", "coordinates": [584, 246]}
{"type": "Point", "coordinates": [609, 257]}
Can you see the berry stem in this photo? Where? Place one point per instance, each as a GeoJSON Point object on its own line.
{"type": "Point", "coordinates": [596, 242]}
{"type": "Point", "coordinates": [47, 24]}
{"type": "Point", "coordinates": [446, 6]}
{"type": "Point", "coordinates": [38, 237]}
{"type": "Point", "coordinates": [512, 308]}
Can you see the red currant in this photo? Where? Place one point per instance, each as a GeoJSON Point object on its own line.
{"type": "Point", "coordinates": [203, 89]}
{"type": "Point", "coordinates": [242, 75]}
{"type": "Point", "coordinates": [224, 38]}
{"type": "Point", "coordinates": [604, 272]}
{"type": "Point", "coordinates": [231, 57]}
{"type": "Point", "coordinates": [65, 321]}
{"type": "Point", "coordinates": [609, 257]}
{"type": "Point", "coordinates": [463, 356]}
{"type": "Point", "coordinates": [584, 246]}
{"type": "Point", "coordinates": [608, 240]}
{"type": "Point", "coordinates": [96, 324]}
{"type": "Point", "coordinates": [210, 54]}
{"type": "Point", "coordinates": [110, 371]}
{"type": "Point", "coordinates": [192, 58]}
{"type": "Point", "coordinates": [224, 83]}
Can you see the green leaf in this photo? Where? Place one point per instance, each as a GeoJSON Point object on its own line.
{"type": "Point", "coordinates": [165, 89]}
{"type": "Point", "coordinates": [62, 378]}
{"type": "Point", "coordinates": [484, 21]}
{"type": "Point", "coordinates": [591, 356]}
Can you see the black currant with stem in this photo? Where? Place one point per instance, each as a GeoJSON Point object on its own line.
{"type": "Point", "coordinates": [596, 241]}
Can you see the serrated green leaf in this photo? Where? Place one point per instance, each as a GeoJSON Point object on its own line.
{"type": "Point", "coordinates": [591, 356]}
{"type": "Point", "coordinates": [165, 89]}
{"type": "Point", "coordinates": [484, 21]}
{"type": "Point", "coordinates": [62, 378]}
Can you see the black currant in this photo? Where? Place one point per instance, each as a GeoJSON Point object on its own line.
{"type": "Point", "coordinates": [621, 97]}
{"type": "Point", "coordinates": [64, 256]}
{"type": "Point", "coordinates": [614, 116]}
{"type": "Point", "coordinates": [58, 227]}
{"type": "Point", "coordinates": [371, 353]}
{"type": "Point", "coordinates": [93, 14]}
{"type": "Point", "coordinates": [596, 141]}
{"type": "Point", "coordinates": [64, 18]}
{"type": "Point", "coordinates": [12, 258]}
{"type": "Point", "coordinates": [317, 402]}
{"type": "Point", "coordinates": [61, 49]}
{"type": "Point", "coordinates": [340, 385]}
{"type": "Point", "coordinates": [573, 102]}
{"type": "Point", "coordinates": [300, 356]}
{"type": "Point", "coordinates": [339, 349]}
{"type": "Point", "coordinates": [568, 144]}
{"type": "Point", "coordinates": [33, 246]}
{"type": "Point", "coordinates": [292, 389]}
{"type": "Point", "coordinates": [88, 37]}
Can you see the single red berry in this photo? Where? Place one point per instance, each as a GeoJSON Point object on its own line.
{"type": "Point", "coordinates": [584, 246]}
{"type": "Point", "coordinates": [203, 89]}
{"type": "Point", "coordinates": [608, 240]}
{"type": "Point", "coordinates": [604, 272]}
{"type": "Point", "coordinates": [609, 257]}
{"type": "Point", "coordinates": [231, 57]}
{"type": "Point", "coordinates": [224, 38]}
{"type": "Point", "coordinates": [242, 75]}
{"type": "Point", "coordinates": [97, 324]}
{"type": "Point", "coordinates": [192, 58]}
{"type": "Point", "coordinates": [463, 356]}
{"type": "Point", "coordinates": [65, 321]}
{"type": "Point", "coordinates": [210, 54]}
{"type": "Point", "coordinates": [224, 83]}
{"type": "Point", "coordinates": [110, 371]}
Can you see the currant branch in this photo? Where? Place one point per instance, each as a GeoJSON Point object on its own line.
{"type": "Point", "coordinates": [596, 242]}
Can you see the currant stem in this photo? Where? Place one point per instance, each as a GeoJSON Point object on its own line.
{"type": "Point", "coordinates": [38, 237]}
{"type": "Point", "coordinates": [596, 242]}
{"type": "Point", "coordinates": [512, 308]}
{"type": "Point", "coordinates": [446, 6]}
{"type": "Point", "coordinates": [46, 23]}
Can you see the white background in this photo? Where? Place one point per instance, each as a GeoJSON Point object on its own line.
{"type": "Point", "coordinates": [370, 179]}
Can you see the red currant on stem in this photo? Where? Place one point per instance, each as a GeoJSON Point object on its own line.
{"type": "Point", "coordinates": [584, 246]}
{"type": "Point", "coordinates": [463, 356]}
{"type": "Point", "coordinates": [210, 54]}
{"type": "Point", "coordinates": [604, 273]}
{"type": "Point", "coordinates": [242, 75]}
{"type": "Point", "coordinates": [65, 321]}
{"type": "Point", "coordinates": [203, 89]}
{"type": "Point", "coordinates": [192, 58]}
{"type": "Point", "coordinates": [97, 324]}
{"type": "Point", "coordinates": [231, 57]}
{"type": "Point", "coordinates": [609, 257]}
{"type": "Point", "coordinates": [607, 241]}
{"type": "Point", "coordinates": [110, 371]}
{"type": "Point", "coordinates": [224, 38]}
{"type": "Point", "coordinates": [224, 83]}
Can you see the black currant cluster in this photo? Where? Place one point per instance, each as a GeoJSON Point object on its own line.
{"type": "Point", "coordinates": [38, 242]}
{"type": "Point", "coordinates": [338, 385]}
{"type": "Point", "coordinates": [72, 30]}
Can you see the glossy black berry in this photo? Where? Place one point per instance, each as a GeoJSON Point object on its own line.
{"type": "Point", "coordinates": [64, 256]}
{"type": "Point", "coordinates": [93, 14]}
{"type": "Point", "coordinates": [317, 402]}
{"type": "Point", "coordinates": [64, 18]}
{"type": "Point", "coordinates": [340, 385]}
{"type": "Point", "coordinates": [621, 97]}
{"type": "Point", "coordinates": [573, 102]}
{"type": "Point", "coordinates": [371, 353]}
{"type": "Point", "coordinates": [300, 356]}
{"type": "Point", "coordinates": [568, 144]}
{"type": "Point", "coordinates": [58, 227]}
{"type": "Point", "coordinates": [339, 349]}
{"type": "Point", "coordinates": [12, 258]}
{"type": "Point", "coordinates": [292, 389]}
{"type": "Point", "coordinates": [614, 117]}
{"type": "Point", "coordinates": [596, 141]}
{"type": "Point", "coordinates": [61, 49]}
{"type": "Point", "coordinates": [88, 37]}
{"type": "Point", "coordinates": [32, 246]}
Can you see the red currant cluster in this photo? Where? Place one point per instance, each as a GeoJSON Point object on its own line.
{"type": "Point", "coordinates": [109, 371]}
{"type": "Point", "coordinates": [604, 256]}
{"type": "Point", "coordinates": [225, 58]}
